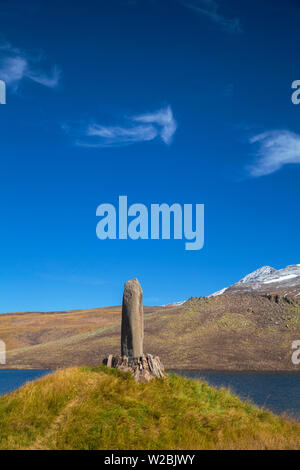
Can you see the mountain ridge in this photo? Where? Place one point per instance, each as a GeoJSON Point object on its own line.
{"type": "Point", "coordinates": [285, 281]}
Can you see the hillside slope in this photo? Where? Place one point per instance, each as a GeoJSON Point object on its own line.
{"type": "Point", "coordinates": [82, 408]}
{"type": "Point", "coordinates": [25, 329]}
{"type": "Point", "coordinates": [227, 332]}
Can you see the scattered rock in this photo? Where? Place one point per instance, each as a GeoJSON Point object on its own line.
{"type": "Point", "coordinates": [143, 369]}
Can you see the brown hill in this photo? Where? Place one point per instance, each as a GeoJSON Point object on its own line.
{"type": "Point", "coordinates": [227, 332]}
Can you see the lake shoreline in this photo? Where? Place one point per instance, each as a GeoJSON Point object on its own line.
{"type": "Point", "coordinates": [278, 392]}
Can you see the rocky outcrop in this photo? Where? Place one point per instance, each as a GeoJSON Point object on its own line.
{"type": "Point", "coordinates": [143, 369]}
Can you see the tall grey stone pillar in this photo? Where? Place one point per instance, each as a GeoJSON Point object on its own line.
{"type": "Point", "coordinates": [132, 335]}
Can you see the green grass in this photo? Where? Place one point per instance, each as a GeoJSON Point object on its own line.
{"type": "Point", "coordinates": [100, 408]}
{"type": "Point", "coordinates": [234, 321]}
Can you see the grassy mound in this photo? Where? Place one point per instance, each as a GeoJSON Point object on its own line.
{"type": "Point", "coordinates": [100, 408]}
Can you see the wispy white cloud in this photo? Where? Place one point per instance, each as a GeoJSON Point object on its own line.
{"type": "Point", "coordinates": [276, 149]}
{"type": "Point", "coordinates": [12, 70]}
{"type": "Point", "coordinates": [51, 80]}
{"type": "Point", "coordinates": [120, 135]}
{"type": "Point", "coordinates": [210, 9]}
{"type": "Point", "coordinates": [163, 118]}
{"type": "Point", "coordinates": [8, 47]}
{"type": "Point", "coordinates": [140, 128]}
{"type": "Point", "coordinates": [15, 66]}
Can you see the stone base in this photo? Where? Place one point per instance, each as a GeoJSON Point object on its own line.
{"type": "Point", "coordinates": [143, 368]}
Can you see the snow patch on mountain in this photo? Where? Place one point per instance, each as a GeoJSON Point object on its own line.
{"type": "Point", "coordinates": [219, 292]}
{"type": "Point", "coordinates": [280, 278]}
{"type": "Point", "coordinates": [260, 275]}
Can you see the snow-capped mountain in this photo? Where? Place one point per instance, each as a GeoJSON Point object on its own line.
{"type": "Point", "coordinates": [284, 281]}
{"type": "Point", "coordinates": [260, 275]}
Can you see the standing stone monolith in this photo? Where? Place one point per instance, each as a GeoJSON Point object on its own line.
{"type": "Point", "coordinates": [132, 335]}
{"type": "Point", "coordinates": [143, 367]}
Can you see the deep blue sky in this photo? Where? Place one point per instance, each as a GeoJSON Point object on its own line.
{"type": "Point", "coordinates": [225, 70]}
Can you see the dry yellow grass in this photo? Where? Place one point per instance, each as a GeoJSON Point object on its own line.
{"type": "Point", "coordinates": [100, 408]}
{"type": "Point", "coordinates": [37, 327]}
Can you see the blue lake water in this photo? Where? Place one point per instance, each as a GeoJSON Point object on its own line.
{"type": "Point", "coordinates": [12, 379]}
{"type": "Point", "coordinates": [276, 391]}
